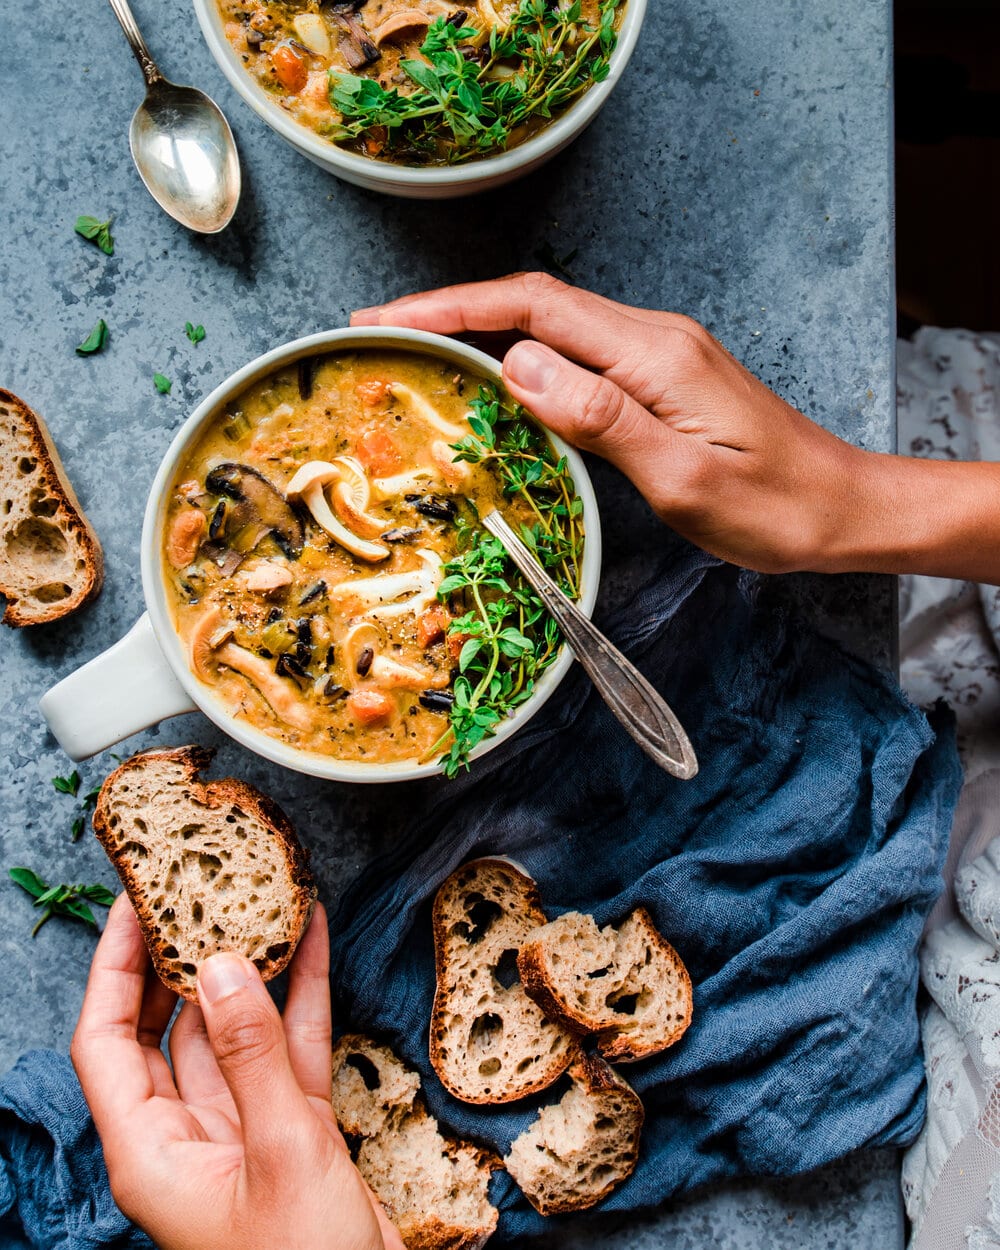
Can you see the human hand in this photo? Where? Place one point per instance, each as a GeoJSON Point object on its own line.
{"type": "Point", "coordinates": [239, 1148]}
{"type": "Point", "coordinates": [719, 457]}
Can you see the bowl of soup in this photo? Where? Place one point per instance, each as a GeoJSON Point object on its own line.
{"type": "Point", "coordinates": [424, 98]}
{"type": "Point", "coordinates": [317, 577]}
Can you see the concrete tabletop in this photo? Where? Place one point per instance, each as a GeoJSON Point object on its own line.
{"type": "Point", "coordinates": [741, 174]}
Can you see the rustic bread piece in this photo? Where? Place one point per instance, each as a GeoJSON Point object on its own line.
{"type": "Point", "coordinates": [50, 559]}
{"type": "Point", "coordinates": [581, 1147]}
{"type": "Point", "coordinates": [208, 867]}
{"type": "Point", "coordinates": [432, 1188]}
{"type": "Point", "coordinates": [489, 1042]}
{"type": "Point", "coordinates": [628, 987]}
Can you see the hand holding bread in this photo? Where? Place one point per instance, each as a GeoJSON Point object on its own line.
{"type": "Point", "coordinates": [237, 1148]}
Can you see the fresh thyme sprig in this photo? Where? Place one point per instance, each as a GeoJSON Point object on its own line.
{"type": "Point", "coordinates": [473, 91]}
{"type": "Point", "coordinates": [508, 638]}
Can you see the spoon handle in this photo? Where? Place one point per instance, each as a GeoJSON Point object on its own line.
{"type": "Point", "coordinates": [150, 70]}
{"type": "Point", "coordinates": [620, 684]}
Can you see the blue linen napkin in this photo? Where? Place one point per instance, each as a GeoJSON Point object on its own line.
{"type": "Point", "coordinates": [793, 875]}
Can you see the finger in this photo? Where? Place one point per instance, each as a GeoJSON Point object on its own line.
{"type": "Point", "coordinates": [248, 1041]}
{"type": "Point", "coordinates": [308, 1027]}
{"type": "Point", "coordinates": [579, 324]}
{"type": "Point", "coordinates": [590, 411]}
{"type": "Point", "coordinates": [158, 1005]}
{"type": "Point", "coordinates": [197, 1074]}
{"type": "Point", "coordinates": [112, 1065]}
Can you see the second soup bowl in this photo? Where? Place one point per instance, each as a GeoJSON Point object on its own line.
{"type": "Point", "coordinates": [146, 677]}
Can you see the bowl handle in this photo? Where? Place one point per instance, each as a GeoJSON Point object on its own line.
{"type": "Point", "coordinates": [124, 689]}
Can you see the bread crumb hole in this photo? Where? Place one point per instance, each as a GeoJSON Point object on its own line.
{"type": "Point", "coordinates": [365, 1069]}
{"type": "Point", "coordinates": [486, 1031]}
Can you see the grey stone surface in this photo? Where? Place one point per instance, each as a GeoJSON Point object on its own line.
{"type": "Point", "coordinates": [741, 174]}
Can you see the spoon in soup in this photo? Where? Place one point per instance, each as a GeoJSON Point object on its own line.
{"type": "Point", "coordinates": [181, 144]}
{"type": "Point", "coordinates": [623, 688]}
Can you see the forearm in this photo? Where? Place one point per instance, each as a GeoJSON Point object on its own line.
{"type": "Point", "coordinates": [936, 517]}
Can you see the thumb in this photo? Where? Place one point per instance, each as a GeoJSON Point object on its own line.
{"type": "Point", "coordinates": [248, 1041]}
{"type": "Point", "coordinates": [591, 412]}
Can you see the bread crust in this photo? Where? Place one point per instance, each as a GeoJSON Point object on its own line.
{"type": "Point", "coordinates": [230, 791]}
{"type": "Point", "coordinates": [69, 518]}
{"type": "Point", "coordinates": [614, 1044]}
{"type": "Point", "coordinates": [532, 906]}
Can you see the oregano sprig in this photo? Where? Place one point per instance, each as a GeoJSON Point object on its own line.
{"type": "Point", "coordinates": [70, 901]}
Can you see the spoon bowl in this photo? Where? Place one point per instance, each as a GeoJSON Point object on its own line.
{"type": "Point", "coordinates": [185, 153]}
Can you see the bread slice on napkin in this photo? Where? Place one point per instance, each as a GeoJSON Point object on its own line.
{"type": "Point", "coordinates": [581, 1147]}
{"type": "Point", "coordinates": [433, 1188]}
{"type": "Point", "coordinates": [489, 1043]}
{"type": "Point", "coordinates": [209, 867]}
{"type": "Point", "coordinates": [629, 987]}
{"type": "Point", "coordinates": [50, 558]}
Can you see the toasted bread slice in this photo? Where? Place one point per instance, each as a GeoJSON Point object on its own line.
{"type": "Point", "coordinates": [50, 559]}
{"type": "Point", "coordinates": [628, 987]}
{"type": "Point", "coordinates": [581, 1147]}
{"type": "Point", "coordinates": [489, 1042]}
{"type": "Point", "coordinates": [432, 1188]}
{"type": "Point", "coordinates": [208, 867]}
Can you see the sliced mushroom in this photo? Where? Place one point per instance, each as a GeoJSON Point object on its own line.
{"type": "Point", "coordinates": [400, 26]}
{"type": "Point", "coordinates": [425, 411]}
{"type": "Point", "coordinates": [414, 482]}
{"type": "Point", "coordinates": [187, 530]}
{"type": "Point", "coordinates": [488, 11]}
{"type": "Point", "coordinates": [455, 472]}
{"type": "Point", "coordinates": [380, 596]}
{"type": "Point", "coordinates": [260, 506]}
{"type": "Point", "coordinates": [351, 496]}
{"type": "Point", "coordinates": [309, 485]}
{"type": "Point", "coordinates": [266, 577]}
{"type": "Point", "coordinates": [283, 699]}
{"type": "Point", "coordinates": [356, 43]}
{"type": "Point", "coordinates": [361, 649]}
{"type": "Point", "coordinates": [208, 635]}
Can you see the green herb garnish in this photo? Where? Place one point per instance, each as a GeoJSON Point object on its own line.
{"type": "Point", "coordinates": [545, 253]}
{"type": "Point", "coordinates": [98, 232]}
{"type": "Point", "coordinates": [508, 637]}
{"type": "Point", "coordinates": [95, 340]}
{"type": "Point", "coordinates": [162, 384]}
{"type": "Point", "coordinates": [473, 92]}
{"type": "Point", "coordinates": [194, 333]}
{"type": "Point", "coordinates": [68, 785]}
{"type": "Point", "coordinates": [61, 900]}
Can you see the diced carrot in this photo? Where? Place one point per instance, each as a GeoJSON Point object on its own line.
{"type": "Point", "coordinates": [377, 452]}
{"type": "Point", "coordinates": [369, 707]}
{"type": "Point", "coordinates": [432, 625]}
{"type": "Point", "coordinates": [292, 71]}
{"type": "Point", "coordinates": [372, 391]}
{"type": "Point", "coordinates": [455, 644]}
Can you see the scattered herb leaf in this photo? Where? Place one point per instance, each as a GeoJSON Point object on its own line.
{"type": "Point", "coordinates": [68, 785]}
{"type": "Point", "coordinates": [473, 91]}
{"type": "Point", "coordinates": [545, 254]}
{"type": "Point", "coordinates": [90, 798]}
{"type": "Point", "coordinates": [95, 340]}
{"type": "Point", "coordinates": [61, 900]}
{"type": "Point", "coordinates": [162, 384]}
{"type": "Point", "coordinates": [78, 824]}
{"type": "Point", "coordinates": [194, 333]}
{"type": "Point", "coordinates": [98, 232]}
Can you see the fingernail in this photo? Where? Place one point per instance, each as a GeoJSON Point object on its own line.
{"type": "Point", "coordinates": [531, 366]}
{"type": "Point", "coordinates": [366, 316]}
{"type": "Point", "coordinates": [222, 975]}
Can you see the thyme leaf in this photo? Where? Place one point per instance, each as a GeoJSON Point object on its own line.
{"type": "Point", "coordinates": [162, 384]}
{"type": "Point", "coordinates": [95, 340]}
{"type": "Point", "coordinates": [98, 232]}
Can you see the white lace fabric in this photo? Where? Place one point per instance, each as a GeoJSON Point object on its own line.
{"type": "Point", "coordinates": [949, 408]}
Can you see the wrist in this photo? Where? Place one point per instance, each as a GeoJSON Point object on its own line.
{"type": "Point", "coordinates": [900, 514]}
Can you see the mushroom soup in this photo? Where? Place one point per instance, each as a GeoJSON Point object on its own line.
{"type": "Point", "coordinates": [424, 82]}
{"type": "Point", "coordinates": [326, 566]}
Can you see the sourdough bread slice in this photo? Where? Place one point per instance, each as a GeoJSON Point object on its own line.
{"type": "Point", "coordinates": [629, 986]}
{"type": "Point", "coordinates": [208, 867]}
{"type": "Point", "coordinates": [581, 1147]}
{"type": "Point", "coordinates": [50, 558]}
{"type": "Point", "coordinates": [489, 1043]}
{"type": "Point", "coordinates": [433, 1189]}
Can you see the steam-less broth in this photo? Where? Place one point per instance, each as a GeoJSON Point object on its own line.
{"type": "Point", "coordinates": [305, 543]}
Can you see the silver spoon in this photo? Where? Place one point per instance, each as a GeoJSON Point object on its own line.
{"type": "Point", "coordinates": [622, 687]}
{"type": "Point", "coordinates": [181, 144]}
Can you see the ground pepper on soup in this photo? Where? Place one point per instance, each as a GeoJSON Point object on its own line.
{"type": "Point", "coordinates": [326, 566]}
{"type": "Point", "coordinates": [424, 82]}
